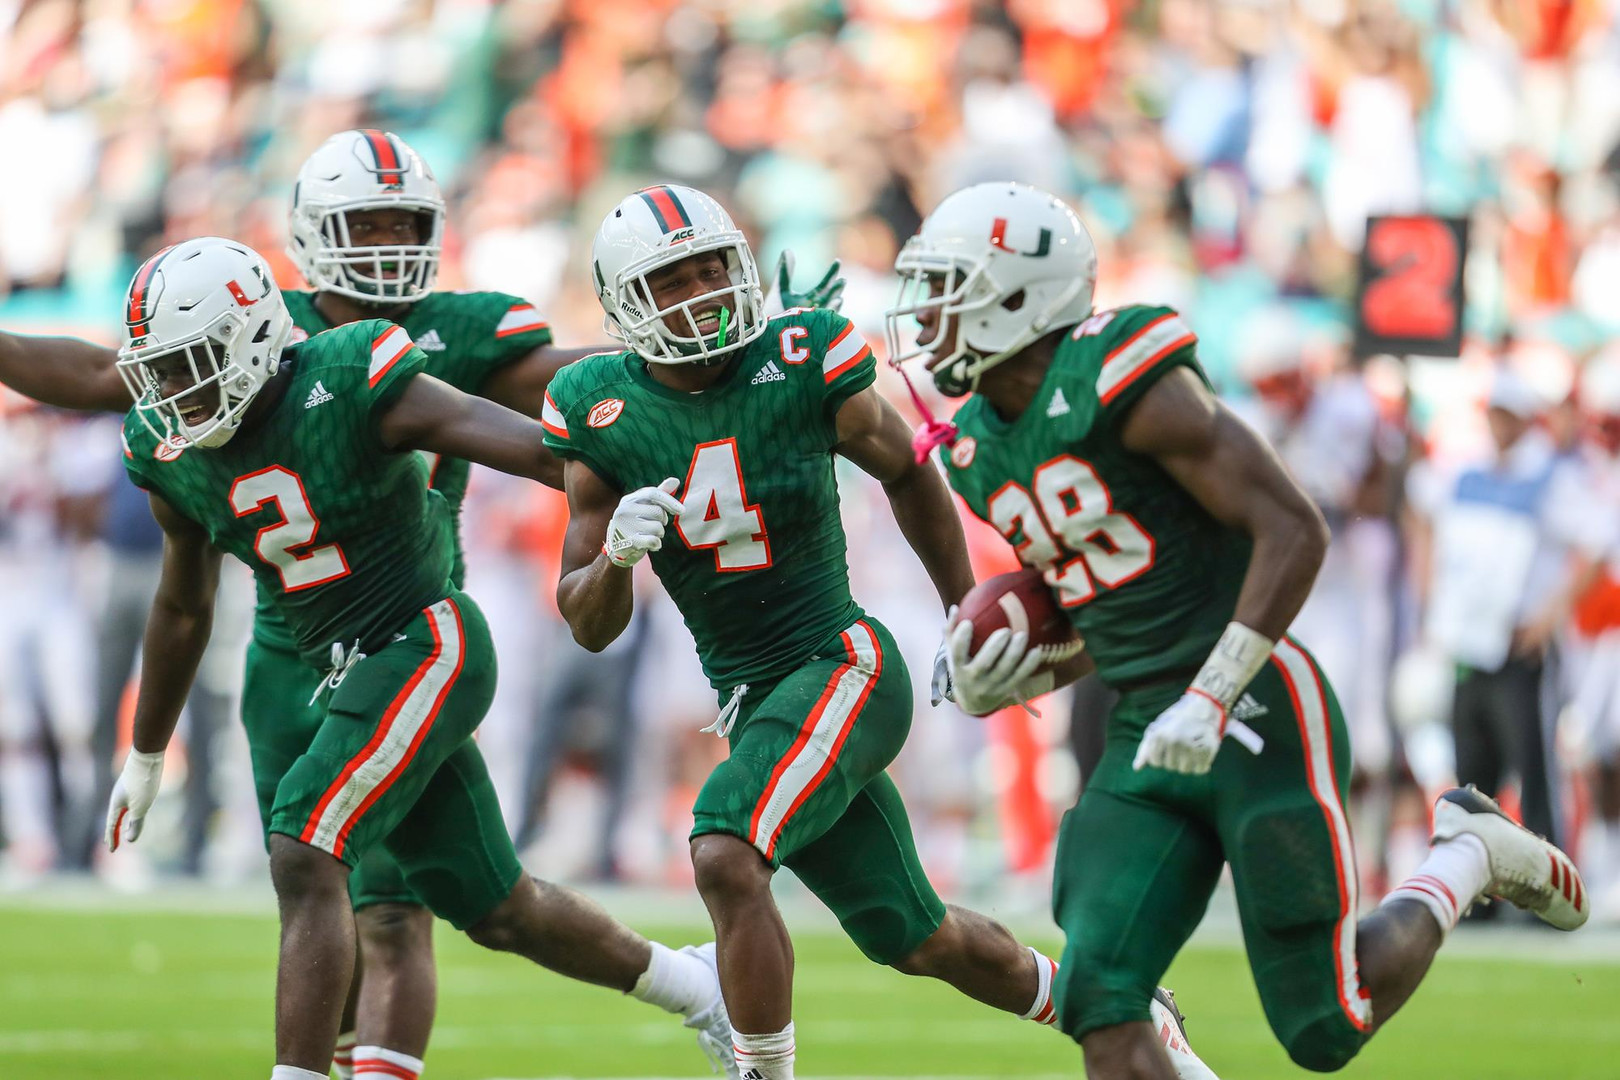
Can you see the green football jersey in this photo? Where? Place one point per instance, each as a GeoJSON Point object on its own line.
{"type": "Point", "coordinates": [466, 336]}
{"type": "Point", "coordinates": [344, 535]}
{"type": "Point", "coordinates": [756, 563]}
{"type": "Point", "coordinates": [1147, 576]}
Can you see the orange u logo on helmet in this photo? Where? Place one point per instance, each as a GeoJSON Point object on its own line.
{"type": "Point", "coordinates": [998, 238]}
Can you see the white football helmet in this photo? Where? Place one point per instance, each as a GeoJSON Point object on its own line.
{"type": "Point", "coordinates": [1003, 263]}
{"type": "Point", "coordinates": [654, 228]}
{"type": "Point", "coordinates": [359, 170]}
{"type": "Point", "coordinates": [211, 305]}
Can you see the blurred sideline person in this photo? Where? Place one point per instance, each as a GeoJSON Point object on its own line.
{"type": "Point", "coordinates": [1495, 543]}
{"type": "Point", "coordinates": [48, 503]}
{"type": "Point", "coordinates": [1589, 734]}
{"type": "Point", "coordinates": [1182, 551]}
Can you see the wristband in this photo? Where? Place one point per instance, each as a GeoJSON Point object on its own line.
{"type": "Point", "coordinates": [1232, 665]}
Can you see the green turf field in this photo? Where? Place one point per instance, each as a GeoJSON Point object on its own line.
{"type": "Point", "coordinates": [164, 994]}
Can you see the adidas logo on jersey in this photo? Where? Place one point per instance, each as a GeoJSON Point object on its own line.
{"type": "Point", "coordinates": [769, 373]}
{"type": "Point", "coordinates": [1248, 709]}
{"type": "Point", "coordinates": [318, 395]}
{"type": "Point", "coordinates": [432, 342]}
{"type": "Point", "coordinates": [1059, 405]}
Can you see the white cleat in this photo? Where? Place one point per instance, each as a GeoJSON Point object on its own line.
{"type": "Point", "coordinates": [1526, 871]}
{"type": "Point", "coordinates": [1171, 1028]}
{"type": "Point", "coordinates": [712, 1024]}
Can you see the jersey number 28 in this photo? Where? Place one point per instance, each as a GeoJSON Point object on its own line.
{"type": "Point", "coordinates": [716, 511]}
{"type": "Point", "coordinates": [1071, 530]}
{"type": "Point", "coordinates": [286, 544]}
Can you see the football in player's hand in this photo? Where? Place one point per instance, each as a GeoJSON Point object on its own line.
{"type": "Point", "coordinates": [1021, 600]}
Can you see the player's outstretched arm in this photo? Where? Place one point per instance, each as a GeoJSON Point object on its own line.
{"type": "Point", "coordinates": [434, 416]}
{"type": "Point", "coordinates": [62, 371]}
{"type": "Point", "coordinates": [1234, 475]}
{"type": "Point", "coordinates": [875, 437]}
{"type": "Point", "coordinates": [177, 631]}
{"type": "Point", "coordinates": [521, 385]}
{"type": "Point", "coordinates": [596, 594]}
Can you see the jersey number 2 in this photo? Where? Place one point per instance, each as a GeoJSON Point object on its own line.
{"type": "Point", "coordinates": [285, 545]}
{"type": "Point", "coordinates": [1071, 530]}
{"type": "Point", "coordinates": [717, 514]}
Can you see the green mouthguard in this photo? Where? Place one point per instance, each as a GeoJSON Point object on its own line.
{"type": "Point", "coordinates": [725, 321]}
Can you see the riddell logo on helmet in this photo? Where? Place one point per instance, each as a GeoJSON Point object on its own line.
{"type": "Point", "coordinates": [998, 238]}
{"type": "Point", "coordinates": [603, 413]}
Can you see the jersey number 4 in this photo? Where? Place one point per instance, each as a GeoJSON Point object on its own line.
{"type": "Point", "coordinates": [1070, 529]}
{"type": "Point", "coordinates": [287, 544]}
{"type": "Point", "coordinates": [716, 512]}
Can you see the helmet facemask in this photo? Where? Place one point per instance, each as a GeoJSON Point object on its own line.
{"type": "Point", "coordinates": [377, 274]}
{"type": "Point", "coordinates": [633, 317]}
{"type": "Point", "coordinates": [208, 409]}
{"type": "Point", "coordinates": [965, 294]}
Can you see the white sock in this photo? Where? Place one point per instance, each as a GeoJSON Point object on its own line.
{"type": "Point", "coordinates": [293, 1072]}
{"type": "Point", "coordinates": [343, 1056]}
{"type": "Point", "coordinates": [377, 1063]}
{"type": "Point", "coordinates": [676, 982]}
{"type": "Point", "coordinates": [765, 1057]}
{"type": "Point", "coordinates": [1450, 879]}
{"type": "Point", "coordinates": [1043, 1011]}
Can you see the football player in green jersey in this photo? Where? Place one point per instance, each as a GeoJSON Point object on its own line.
{"type": "Point", "coordinates": [366, 222]}
{"type": "Point", "coordinates": [709, 446]}
{"type": "Point", "coordinates": [1182, 550]}
{"type": "Point", "coordinates": [298, 461]}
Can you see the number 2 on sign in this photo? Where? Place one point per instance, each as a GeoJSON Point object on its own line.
{"type": "Point", "coordinates": [283, 544]}
{"type": "Point", "coordinates": [716, 512]}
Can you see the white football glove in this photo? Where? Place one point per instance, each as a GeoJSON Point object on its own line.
{"type": "Point", "coordinates": [637, 526]}
{"type": "Point", "coordinates": [132, 797]}
{"type": "Point", "coordinates": [1185, 737]}
{"type": "Point", "coordinates": [1002, 673]}
{"type": "Point", "coordinates": [942, 688]}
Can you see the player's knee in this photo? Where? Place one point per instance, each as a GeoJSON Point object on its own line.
{"type": "Point", "coordinates": [964, 940]}
{"type": "Point", "coordinates": [932, 956]}
{"type": "Point", "coordinates": [1092, 992]}
{"type": "Point", "coordinates": [390, 933]}
{"type": "Point", "coordinates": [1325, 1045]}
{"type": "Point", "coordinates": [727, 869]}
{"type": "Point", "coordinates": [502, 930]}
{"type": "Point", "coordinates": [303, 874]}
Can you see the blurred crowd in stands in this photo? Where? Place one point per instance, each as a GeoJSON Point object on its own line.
{"type": "Point", "coordinates": [1225, 155]}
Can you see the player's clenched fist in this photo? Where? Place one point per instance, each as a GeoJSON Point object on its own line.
{"type": "Point", "coordinates": [637, 526]}
{"type": "Point", "coordinates": [132, 797]}
{"type": "Point", "coordinates": [1185, 737]}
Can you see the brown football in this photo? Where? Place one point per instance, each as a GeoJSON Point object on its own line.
{"type": "Point", "coordinates": [1021, 600]}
